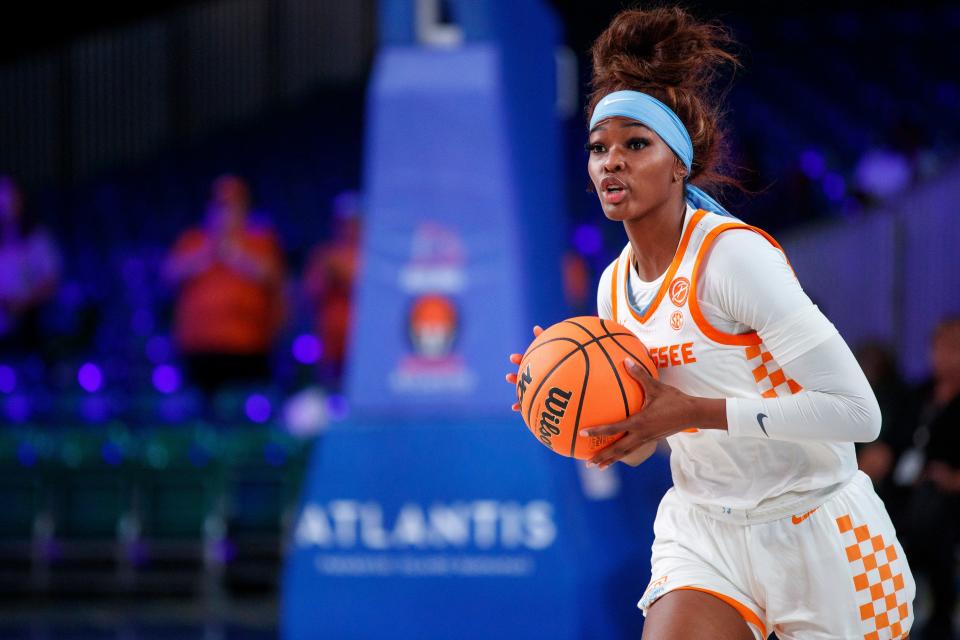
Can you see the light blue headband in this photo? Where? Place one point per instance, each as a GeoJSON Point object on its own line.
{"type": "Point", "coordinates": [664, 122]}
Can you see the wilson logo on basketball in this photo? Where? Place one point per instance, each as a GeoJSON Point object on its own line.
{"type": "Point", "coordinates": [554, 408]}
{"type": "Point", "coordinates": [679, 289]}
{"type": "Point", "coordinates": [676, 320]}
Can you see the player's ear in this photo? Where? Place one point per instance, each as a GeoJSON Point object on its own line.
{"type": "Point", "coordinates": [679, 171]}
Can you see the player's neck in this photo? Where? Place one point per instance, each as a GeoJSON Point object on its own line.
{"type": "Point", "coordinates": [654, 239]}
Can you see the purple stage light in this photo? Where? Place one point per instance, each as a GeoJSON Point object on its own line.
{"type": "Point", "coordinates": [834, 187]}
{"type": "Point", "coordinates": [305, 412]}
{"type": "Point", "coordinates": [8, 379]}
{"type": "Point", "coordinates": [882, 173]}
{"type": "Point", "coordinates": [90, 377]}
{"type": "Point", "coordinates": [166, 378]}
{"type": "Point", "coordinates": [812, 164]}
{"type": "Point", "coordinates": [307, 349]}
{"type": "Point", "coordinates": [258, 408]}
{"type": "Point", "coordinates": [588, 239]}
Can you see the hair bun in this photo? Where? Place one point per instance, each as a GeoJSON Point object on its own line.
{"type": "Point", "coordinates": [659, 48]}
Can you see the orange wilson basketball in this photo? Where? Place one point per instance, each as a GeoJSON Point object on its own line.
{"type": "Point", "coordinates": [572, 377]}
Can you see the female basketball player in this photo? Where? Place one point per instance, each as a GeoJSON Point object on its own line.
{"type": "Point", "coordinates": [769, 527]}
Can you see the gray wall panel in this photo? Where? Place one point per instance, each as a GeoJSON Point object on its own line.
{"type": "Point", "coordinates": [30, 126]}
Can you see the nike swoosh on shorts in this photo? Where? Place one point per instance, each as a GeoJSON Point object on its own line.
{"type": "Point", "coordinates": [799, 519]}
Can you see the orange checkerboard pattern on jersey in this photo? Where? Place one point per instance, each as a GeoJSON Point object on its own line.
{"type": "Point", "coordinates": [771, 379]}
{"type": "Point", "coordinates": [880, 592]}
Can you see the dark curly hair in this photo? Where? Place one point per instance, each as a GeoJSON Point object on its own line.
{"type": "Point", "coordinates": [667, 53]}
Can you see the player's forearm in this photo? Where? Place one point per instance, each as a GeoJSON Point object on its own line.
{"type": "Point", "coordinates": [836, 403]}
{"type": "Point", "coordinates": [709, 413]}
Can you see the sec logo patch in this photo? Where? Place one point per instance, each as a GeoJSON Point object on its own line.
{"type": "Point", "coordinates": [679, 289]}
{"type": "Point", "coordinates": [676, 320]}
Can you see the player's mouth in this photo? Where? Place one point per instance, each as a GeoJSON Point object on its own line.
{"type": "Point", "coordinates": [613, 190]}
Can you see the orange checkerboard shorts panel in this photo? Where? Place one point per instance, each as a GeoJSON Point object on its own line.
{"type": "Point", "coordinates": [880, 591]}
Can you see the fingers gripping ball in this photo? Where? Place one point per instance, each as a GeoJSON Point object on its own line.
{"type": "Point", "coordinates": [572, 377]}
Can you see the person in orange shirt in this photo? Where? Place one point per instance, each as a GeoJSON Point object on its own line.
{"type": "Point", "coordinates": [328, 281]}
{"type": "Point", "coordinates": [229, 277]}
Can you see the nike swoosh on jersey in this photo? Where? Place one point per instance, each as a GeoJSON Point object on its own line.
{"type": "Point", "coordinates": [760, 417]}
{"type": "Point", "coordinates": [799, 519]}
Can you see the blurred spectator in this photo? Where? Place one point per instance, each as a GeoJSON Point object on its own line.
{"type": "Point", "coordinates": [882, 173]}
{"type": "Point", "coordinates": [29, 272]}
{"type": "Point", "coordinates": [229, 306]}
{"type": "Point", "coordinates": [934, 507]}
{"type": "Point", "coordinates": [328, 280]}
{"type": "Point", "coordinates": [577, 285]}
{"type": "Point", "coordinates": [899, 408]}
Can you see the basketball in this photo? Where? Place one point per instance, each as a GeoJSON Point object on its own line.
{"type": "Point", "coordinates": [572, 377]}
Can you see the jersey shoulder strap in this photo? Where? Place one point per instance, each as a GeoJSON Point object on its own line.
{"type": "Point", "coordinates": [620, 266]}
{"type": "Point", "coordinates": [699, 264]}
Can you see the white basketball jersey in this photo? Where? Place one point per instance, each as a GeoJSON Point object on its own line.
{"type": "Point", "coordinates": [709, 467]}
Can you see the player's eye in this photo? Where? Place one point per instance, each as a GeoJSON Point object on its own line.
{"type": "Point", "coordinates": [594, 147]}
{"type": "Point", "coordinates": [637, 143]}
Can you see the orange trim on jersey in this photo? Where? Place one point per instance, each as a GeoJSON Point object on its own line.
{"type": "Point", "coordinates": [668, 278]}
{"type": "Point", "coordinates": [613, 290]}
{"type": "Point", "coordinates": [745, 612]}
{"type": "Point", "coordinates": [744, 339]}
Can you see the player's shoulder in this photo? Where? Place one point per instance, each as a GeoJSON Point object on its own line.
{"type": "Point", "coordinates": [742, 244]}
{"type": "Point", "coordinates": [741, 257]}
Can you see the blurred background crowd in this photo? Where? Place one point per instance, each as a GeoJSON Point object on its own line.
{"type": "Point", "coordinates": [180, 227]}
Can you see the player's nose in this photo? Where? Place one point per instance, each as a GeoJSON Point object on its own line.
{"type": "Point", "coordinates": [614, 160]}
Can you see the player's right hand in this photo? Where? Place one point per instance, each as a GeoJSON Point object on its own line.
{"type": "Point", "coordinates": [515, 358]}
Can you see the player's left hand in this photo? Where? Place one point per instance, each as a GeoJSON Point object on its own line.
{"type": "Point", "coordinates": [666, 411]}
{"type": "Point", "coordinates": [515, 358]}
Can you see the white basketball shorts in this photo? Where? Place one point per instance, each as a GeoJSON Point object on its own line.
{"type": "Point", "coordinates": [835, 571]}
